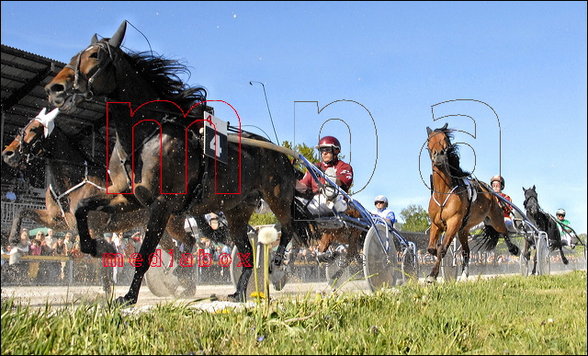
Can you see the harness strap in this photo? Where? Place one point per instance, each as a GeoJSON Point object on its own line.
{"type": "Point", "coordinates": [58, 198]}
{"type": "Point", "coordinates": [446, 199]}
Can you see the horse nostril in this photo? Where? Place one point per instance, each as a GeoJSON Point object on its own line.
{"type": "Point", "coordinates": [55, 88]}
{"type": "Point", "coordinates": [6, 155]}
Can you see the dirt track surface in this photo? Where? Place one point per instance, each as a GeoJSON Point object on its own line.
{"type": "Point", "coordinates": [62, 295]}
{"type": "Point", "coordinates": [57, 296]}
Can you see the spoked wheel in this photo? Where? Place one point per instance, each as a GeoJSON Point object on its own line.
{"type": "Point", "coordinates": [337, 271]}
{"type": "Point", "coordinates": [543, 252]}
{"type": "Point", "coordinates": [451, 263]}
{"type": "Point", "coordinates": [410, 265]}
{"type": "Point", "coordinates": [380, 258]}
{"type": "Point", "coordinates": [161, 280]}
{"type": "Point", "coordinates": [526, 265]}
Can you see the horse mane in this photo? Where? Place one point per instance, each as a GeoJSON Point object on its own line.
{"type": "Point", "coordinates": [163, 75]}
{"type": "Point", "coordinates": [453, 156]}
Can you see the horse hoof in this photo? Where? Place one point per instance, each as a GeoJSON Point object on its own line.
{"type": "Point", "coordinates": [188, 293]}
{"type": "Point", "coordinates": [124, 302]}
{"type": "Point", "coordinates": [236, 297]}
{"type": "Point", "coordinates": [514, 250]}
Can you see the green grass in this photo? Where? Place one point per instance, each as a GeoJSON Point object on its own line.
{"type": "Point", "coordinates": [510, 315]}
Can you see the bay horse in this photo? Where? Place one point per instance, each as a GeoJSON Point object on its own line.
{"type": "Point", "coordinates": [103, 69]}
{"type": "Point", "coordinates": [74, 176]}
{"type": "Point", "coordinates": [454, 210]}
{"type": "Point", "coordinates": [544, 222]}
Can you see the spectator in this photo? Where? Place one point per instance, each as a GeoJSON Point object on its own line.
{"type": "Point", "coordinates": [20, 249]}
{"type": "Point", "coordinates": [69, 244]}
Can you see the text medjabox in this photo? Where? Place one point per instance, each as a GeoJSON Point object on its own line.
{"type": "Point", "coordinates": [186, 259]}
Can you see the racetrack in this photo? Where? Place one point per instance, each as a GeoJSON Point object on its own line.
{"type": "Point", "coordinates": [58, 296]}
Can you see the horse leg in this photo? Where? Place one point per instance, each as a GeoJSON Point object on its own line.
{"type": "Point", "coordinates": [237, 219]}
{"type": "Point", "coordinates": [452, 226]}
{"type": "Point", "coordinates": [323, 255]}
{"type": "Point", "coordinates": [563, 257]}
{"type": "Point", "coordinates": [159, 214]}
{"type": "Point", "coordinates": [432, 249]}
{"type": "Point", "coordinates": [465, 251]}
{"type": "Point", "coordinates": [95, 248]}
{"type": "Point", "coordinates": [434, 234]}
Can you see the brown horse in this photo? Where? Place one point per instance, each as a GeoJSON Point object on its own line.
{"type": "Point", "coordinates": [454, 210]}
{"type": "Point", "coordinates": [75, 176]}
{"type": "Point", "coordinates": [103, 69]}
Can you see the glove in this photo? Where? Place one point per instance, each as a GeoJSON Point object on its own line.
{"type": "Point", "coordinates": [329, 192]}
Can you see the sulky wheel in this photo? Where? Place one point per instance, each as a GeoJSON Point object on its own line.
{"type": "Point", "coordinates": [380, 258]}
{"type": "Point", "coordinates": [410, 265]}
{"type": "Point", "coordinates": [543, 265]}
{"type": "Point", "coordinates": [160, 278]}
{"type": "Point", "coordinates": [337, 271]}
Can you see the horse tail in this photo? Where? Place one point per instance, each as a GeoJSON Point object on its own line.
{"type": "Point", "coordinates": [488, 240]}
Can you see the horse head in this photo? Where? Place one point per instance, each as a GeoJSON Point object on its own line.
{"type": "Point", "coordinates": [531, 202]}
{"type": "Point", "coordinates": [31, 141]}
{"type": "Point", "coordinates": [438, 145]}
{"type": "Point", "coordinates": [89, 73]}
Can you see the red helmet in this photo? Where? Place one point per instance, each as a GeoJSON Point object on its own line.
{"type": "Point", "coordinates": [499, 179]}
{"type": "Point", "coordinates": [329, 141]}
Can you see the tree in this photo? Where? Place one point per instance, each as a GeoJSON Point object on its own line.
{"type": "Point", "coordinates": [305, 150]}
{"type": "Point", "coordinates": [416, 219]}
{"type": "Point", "coordinates": [263, 219]}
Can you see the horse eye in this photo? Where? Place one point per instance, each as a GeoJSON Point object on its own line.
{"type": "Point", "coordinates": [94, 55]}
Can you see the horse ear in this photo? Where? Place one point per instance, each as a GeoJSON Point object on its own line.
{"type": "Point", "coordinates": [533, 186]}
{"type": "Point", "coordinates": [444, 127]}
{"type": "Point", "coordinates": [94, 39]}
{"type": "Point", "coordinates": [429, 130]}
{"type": "Point", "coordinates": [117, 38]}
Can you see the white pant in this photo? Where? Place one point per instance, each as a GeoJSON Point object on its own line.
{"type": "Point", "coordinates": [319, 205]}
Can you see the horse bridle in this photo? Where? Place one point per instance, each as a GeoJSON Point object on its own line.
{"type": "Point", "coordinates": [104, 61]}
{"type": "Point", "coordinates": [36, 145]}
{"type": "Point", "coordinates": [527, 201]}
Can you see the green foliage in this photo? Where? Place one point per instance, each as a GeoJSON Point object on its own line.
{"type": "Point", "coordinates": [308, 152]}
{"type": "Point", "coordinates": [509, 315]}
{"type": "Point", "coordinates": [263, 219]}
{"type": "Point", "coordinates": [416, 219]}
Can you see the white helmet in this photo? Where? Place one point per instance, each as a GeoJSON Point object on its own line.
{"type": "Point", "coordinates": [560, 212]}
{"type": "Point", "coordinates": [382, 199]}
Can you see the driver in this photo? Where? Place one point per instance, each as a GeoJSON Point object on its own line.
{"type": "Point", "coordinates": [497, 183]}
{"type": "Point", "coordinates": [339, 172]}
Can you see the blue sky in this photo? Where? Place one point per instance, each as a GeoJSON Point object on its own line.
{"type": "Point", "coordinates": [384, 66]}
